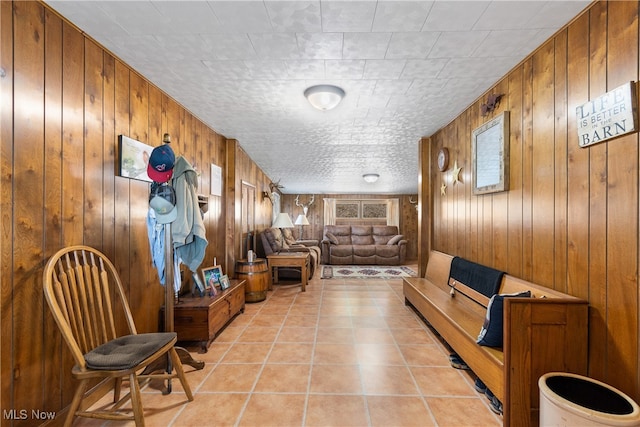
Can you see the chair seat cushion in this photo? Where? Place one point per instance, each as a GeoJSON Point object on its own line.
{"type": "Point", "coordinates": [127, 351]}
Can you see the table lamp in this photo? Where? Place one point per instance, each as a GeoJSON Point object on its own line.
{"type": "Point", "coordinates": [301, 221]}
{"type": "Point", "coordinates": [282, 221]}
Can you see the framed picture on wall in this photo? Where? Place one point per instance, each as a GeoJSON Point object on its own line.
{"type": "Point", "coordinates": [490, 153]}
{"type": "Point", "coordinates": [134, 158]}
{"type": "Point", "coordinates": [216, 180]}
{"type": "Point", "coordinates": [374, 209]}
{"type": "Point", "coordinates": [347, 209]}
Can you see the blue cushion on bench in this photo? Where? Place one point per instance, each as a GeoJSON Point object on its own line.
{"type": "Point", "coordinates": [480, 278]}
{"type": "Point", "coordinates": [491, 332]}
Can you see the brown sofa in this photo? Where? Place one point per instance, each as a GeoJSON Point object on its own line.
{"type": "Point", "coordinates": [274, 240]}
{"type": "Point", "coordinates": [359, 244]}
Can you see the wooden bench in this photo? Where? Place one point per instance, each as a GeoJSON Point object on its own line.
{"type": "Point", "coordinates": [547, 332]}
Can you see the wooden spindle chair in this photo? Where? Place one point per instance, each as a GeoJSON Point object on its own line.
{"type": "Point", "coordinates": [83, 290]}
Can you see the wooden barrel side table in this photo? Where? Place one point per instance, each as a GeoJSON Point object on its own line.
{"type": "Point", "coordinates": [256, 277]}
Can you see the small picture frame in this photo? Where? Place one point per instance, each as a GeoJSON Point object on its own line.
{"type": "Point", "coordinates": [199, 288]}
{"type": "Point", "coordinates": [224, 282]}
{"type": "Point", "coordinates": [211, 275]}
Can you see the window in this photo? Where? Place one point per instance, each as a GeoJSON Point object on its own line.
{"type": "Point", "coordinates": [361, 211]}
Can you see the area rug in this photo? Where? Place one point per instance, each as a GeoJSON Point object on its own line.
{"type": "Point", "coordinates": [365, 272]}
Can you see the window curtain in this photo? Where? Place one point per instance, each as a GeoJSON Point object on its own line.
{"type": "Point", "coordinates": [393, 212]}
{"type": "Point", "coordinates": [329, 211]}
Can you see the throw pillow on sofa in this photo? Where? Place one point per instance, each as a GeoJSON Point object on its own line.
{"type": "Point", "coordinates": [492, 329]}
{"type": "Point", "coordinates": [275, 239]}
{"type": "Point", "coordinates": [395, 239]}
{"type": "Point", "coordinates": [332, 239]}
{"type": "Point", "coordinates": [288, 237]}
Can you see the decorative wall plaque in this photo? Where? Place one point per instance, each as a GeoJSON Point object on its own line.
{"type": "Point", "coordinates": [608, 116]}
{"type": "Point", "coordinates": [443, 159]}
{"type": "Point", "coordinates": [490, 148]}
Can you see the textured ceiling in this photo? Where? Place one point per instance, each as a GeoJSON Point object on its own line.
{"type": "Point", "coordinates": [407, 67]}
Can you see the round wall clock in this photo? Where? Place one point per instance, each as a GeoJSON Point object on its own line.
{"type": "Point", "coordinates": [443, 159]}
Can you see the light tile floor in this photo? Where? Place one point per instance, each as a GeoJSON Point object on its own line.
{"type": "Point", "coordinates": [347, 352]}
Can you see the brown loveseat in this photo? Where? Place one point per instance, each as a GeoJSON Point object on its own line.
{"type": "Point", "coordinates": [359, 244]}
{"type": "Point", "coordinates": [275, 240]}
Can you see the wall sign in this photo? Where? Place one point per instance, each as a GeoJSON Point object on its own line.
{"type": "Point", "coordinates": [608, 116]}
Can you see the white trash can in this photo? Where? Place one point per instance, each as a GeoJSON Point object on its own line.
{"type": "Point", "coordinates": [570, 400]}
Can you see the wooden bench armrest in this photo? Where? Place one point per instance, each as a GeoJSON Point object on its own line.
{"type": "Point", "coordinates": [540, 335]}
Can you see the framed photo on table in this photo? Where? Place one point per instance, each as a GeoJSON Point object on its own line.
{"type": "Point", "coordinates": [224, 282]}
{"type": "Point", "coordinates": [211, 275]}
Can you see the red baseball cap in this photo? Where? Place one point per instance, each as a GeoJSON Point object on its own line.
{"type": "Point", "coordinates": [161, 161]}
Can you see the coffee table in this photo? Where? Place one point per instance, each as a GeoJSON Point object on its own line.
{"type": "Point", "coordinates": [290, 259]}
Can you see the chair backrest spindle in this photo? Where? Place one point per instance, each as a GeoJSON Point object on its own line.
{"type": "Point", "coordinates": [82, 272]}
{"type": "Point", "coordinates": [106, 294]}
{"type": "Point", "coordinates": [97, 302]}
{"type": "Point", "coordinates": [74, 304]}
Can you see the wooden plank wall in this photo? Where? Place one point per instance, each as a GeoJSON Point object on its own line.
{"type": "Point", "coordinates": [570, 218]}
{"type": "Point", "coordinates": [64, 100]}
{"type": "Point", "coordinates": [315, 215]}
{"type": "Point", "coordinates": [248, 172]}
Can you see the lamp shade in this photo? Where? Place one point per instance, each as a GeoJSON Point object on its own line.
{"type": "Point", "coordinates": [282, 221]}
{"type": "Point", "coordinates": [324, 97]}
{"type": "Point", "coordinates": [301, 220]}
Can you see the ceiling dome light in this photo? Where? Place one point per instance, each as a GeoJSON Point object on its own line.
{"type": "Point", "coordinates": [371, 177]}
{"type": "Point", "coordinates": [324, 97]}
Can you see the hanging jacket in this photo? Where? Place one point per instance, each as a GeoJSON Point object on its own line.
{"type": "Point", "coordinates": [187, 231]}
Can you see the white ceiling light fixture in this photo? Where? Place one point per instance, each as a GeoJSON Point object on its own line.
{"type": "Point", "coordinates": [324, 97]}
{"type": "Point", "coordinates": [371, 177]}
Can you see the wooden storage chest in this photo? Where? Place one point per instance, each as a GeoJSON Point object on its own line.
{"type": "Point", "coordinates": [201, 318]}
